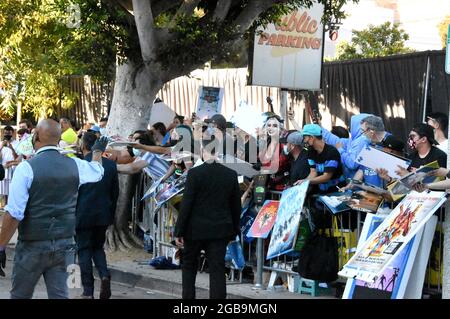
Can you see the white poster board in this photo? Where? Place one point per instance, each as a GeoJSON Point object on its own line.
{"type": "Point", "coordinates": [161, 112]}
{"type": "Point", "coordinates": [417, 277]}
{"type": "Point", "coordinates": [247, 118]}
{"type": "Point", "coordinates": [373, 158]}
{"type": "Point", "coordinates": [289, 55]}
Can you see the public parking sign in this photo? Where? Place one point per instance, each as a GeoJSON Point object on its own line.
{"type": "Point", "coordinates": [447, 55]}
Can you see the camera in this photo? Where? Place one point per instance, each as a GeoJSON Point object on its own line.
{"type": "Point", "coordinates": [7, 138]}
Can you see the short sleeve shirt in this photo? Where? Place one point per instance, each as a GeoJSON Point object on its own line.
{"type": "Point", "coordinates": [328, 161]}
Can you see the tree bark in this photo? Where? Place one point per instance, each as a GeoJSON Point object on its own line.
{"type": "Point", "coordinates": [134, 92]}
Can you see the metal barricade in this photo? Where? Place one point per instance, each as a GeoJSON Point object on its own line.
{"type": "Point", "coordinates": [347, 242]}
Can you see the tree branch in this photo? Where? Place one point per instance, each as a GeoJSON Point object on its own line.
{"type": "Point", "coordinates": [186, 8]}
{"type": "Point", "coordinates": [251, 12]}
{"type": "Point", "coordinates": [253, 9]}
{"type": "Point", "coordinates": [123, 5]}
{"type": "Point", "coordinates": [222, 8]}
{"type": "Point", "coordinates": [161, 6]}
{"type": "Point", "coordinates": [144, 22]}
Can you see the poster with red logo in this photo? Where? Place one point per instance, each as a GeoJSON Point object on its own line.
{"type": "Point", "coordinates": [265, 220]}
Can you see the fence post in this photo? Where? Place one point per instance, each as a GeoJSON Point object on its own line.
{"type": "Point", "coordinates": [259, 260]}
{"type": "Point", "coordinates": [259, 263]}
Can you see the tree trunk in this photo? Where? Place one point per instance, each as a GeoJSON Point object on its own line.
{"type": "Point", "coordinates": [134, 93]}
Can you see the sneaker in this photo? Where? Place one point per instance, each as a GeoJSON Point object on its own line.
{"type": "Point", "coordinates": [105, 288]}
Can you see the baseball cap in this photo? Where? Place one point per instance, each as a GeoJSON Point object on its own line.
{"type": "Point", "coordinates": [393, 143]}
{"type": "Point", "coordinates": [94, 128]}
{"type": "Point", "coordinates": [295, 138]}
{"type": "Point", "coordinates": [283, 137]}
{"type": "Point", "coordinates": [425, 130]}
{"type": "Point", "coordinates": [219, 120]}
{"type": "Point", "coordinates": [312, 130]}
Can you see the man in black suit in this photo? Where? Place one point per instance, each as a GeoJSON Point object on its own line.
{"type": "Point", "coordinates": [95, 212]}
{"type": "Point", "coordinates": [208, 220]}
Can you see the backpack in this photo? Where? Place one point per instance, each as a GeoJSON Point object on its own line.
{"type": "Point", "coordinates": [319, 258]}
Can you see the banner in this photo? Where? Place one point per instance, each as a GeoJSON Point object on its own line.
{"type": "Point", "coordinates": [289, 54]}
{"type": "Point", "coordinates": [392, 236]}
{"type": "Point", "coordinates": [285, 230]}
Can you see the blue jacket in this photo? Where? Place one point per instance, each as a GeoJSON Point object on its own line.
{"type": "Point", "coordinates": [351, 147]}
{"type": "Point", "coordinates": [96, 203]}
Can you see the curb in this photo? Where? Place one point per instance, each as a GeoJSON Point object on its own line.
{"type": "Point", "coordinates": [157, 284]}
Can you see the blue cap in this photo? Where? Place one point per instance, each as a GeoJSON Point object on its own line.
{"type": "Point", "coordinates": [312, 130]}
{"type": "Point", "coordinates": [95, 128]}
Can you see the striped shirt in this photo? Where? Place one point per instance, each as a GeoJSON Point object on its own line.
{"type": "Point", "coordinates": [328, 161]}
{"type": "Point", "coordinates": [157, 167]}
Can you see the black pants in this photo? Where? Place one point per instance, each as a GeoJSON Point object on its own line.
{"type": "Point", "coordinates": [215, 253]}
{"type": "Point", "coordinates": [90, 243]}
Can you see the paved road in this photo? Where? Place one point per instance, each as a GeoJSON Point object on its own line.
{"type": "Point", "coordinates": [119, 291]}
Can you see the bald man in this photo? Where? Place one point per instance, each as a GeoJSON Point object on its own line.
{"type": "Point", "coordinates": [42, 204]}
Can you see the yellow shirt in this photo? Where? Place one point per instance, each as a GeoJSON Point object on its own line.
{"type": "Point", "coordinates": [70, 137]}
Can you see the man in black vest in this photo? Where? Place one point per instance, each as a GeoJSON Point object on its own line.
{"type": "Point", "coordinates": [208, 219]}
{"type": "Point", "coordinates": [42, 205]}
{"type": "Point", "coordinates": [95, 212]}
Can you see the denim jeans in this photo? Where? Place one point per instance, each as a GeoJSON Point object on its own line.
{"type": "Point", "coordinates": [90, 242]}
{"type": "Point", "coordinates": [49, 258]}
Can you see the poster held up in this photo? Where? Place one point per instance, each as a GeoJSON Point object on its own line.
{"type": "Point", "coordinates": [209, 101]}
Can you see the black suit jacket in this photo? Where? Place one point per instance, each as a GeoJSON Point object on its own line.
{"type": "Point", "coordinates": [97, 201]}
{"type": "Point", "coordinates": [211, 205]}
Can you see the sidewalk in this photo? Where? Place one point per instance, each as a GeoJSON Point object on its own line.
{"type": "Point", "coordinates": [127, 268]}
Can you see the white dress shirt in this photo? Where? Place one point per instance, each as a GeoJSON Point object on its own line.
{"type": "Point", "coordinates": [89, 172]}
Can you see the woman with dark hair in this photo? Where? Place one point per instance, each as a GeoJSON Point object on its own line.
{"type": "Point", "coordinates": [159, 131]}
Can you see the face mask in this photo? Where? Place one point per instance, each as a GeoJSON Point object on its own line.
{"type": "Point", "coordinates": [210, 130]}
{"type": "Point", "coordinates": [412, 144]}
{"type": "Point", "coordinates": [136, 152]}
{"type": "Point", "coordinates": [286, 150]}
{"type": "Point", "coordinates": [103, 131]}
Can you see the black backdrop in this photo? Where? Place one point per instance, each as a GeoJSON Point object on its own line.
{"type": "Point", "coordinates": [383, 86]}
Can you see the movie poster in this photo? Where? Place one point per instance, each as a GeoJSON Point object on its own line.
{"type": "Point", "coordinates": [285, 230]}
{"type": "Point", "coordinates": [393, 281]}
{"type": "Point", "coordinates": [392, 236]}
{"type": "Point", "coordinates": [209, 102]}
{"type": "Point", "coordinates": [265, 220]}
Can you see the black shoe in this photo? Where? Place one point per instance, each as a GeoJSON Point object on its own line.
{"type": "Point", "coordinates": [105, 288]}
